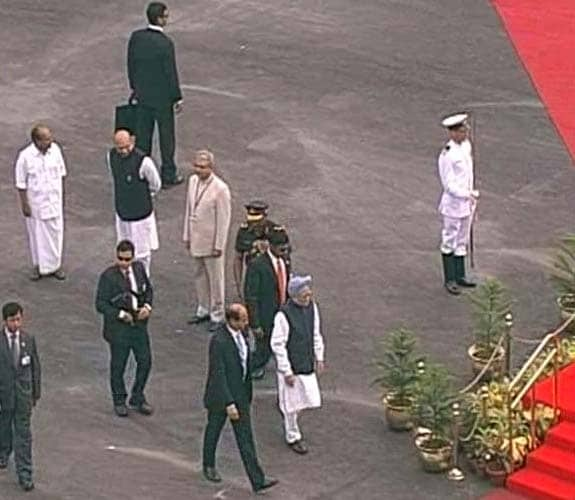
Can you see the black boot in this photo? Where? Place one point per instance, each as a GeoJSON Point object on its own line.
{"type": "Point", "coordinates": [460, 272]}
{"type": "Point", "coordinates": [449, 279]}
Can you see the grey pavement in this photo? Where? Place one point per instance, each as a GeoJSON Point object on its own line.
{"type": "Point", "coordinates": [330, 111]}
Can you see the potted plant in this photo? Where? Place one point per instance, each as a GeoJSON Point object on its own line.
{"type": "Point", "coordinates": [432, 401]}
{"type": "Point", "coordinates": [490, 304]}
{"type": "Point", "coordinates": [562, 275]}
{"type": "Point", "coordinates": [490, 447]}
{"type": "Point", "coordinates": [396, 366]}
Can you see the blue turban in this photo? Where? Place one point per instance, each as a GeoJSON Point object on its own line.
{"type": "Point", "coordinates": [297, 284]}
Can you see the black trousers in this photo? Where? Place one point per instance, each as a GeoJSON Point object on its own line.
{"type": "Point", "coordinates": [263, 351]}
{"type": "Point", "coordinates": [138, 342]}
{"type": "Point", "coordinates": [164, 117]}
{"type": "Point", "coordinates": [244, 438]}
{"type": "Point", "coordinates": [16, 435]}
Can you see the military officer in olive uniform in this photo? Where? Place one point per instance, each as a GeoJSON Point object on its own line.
{"type": "Point", "coordinates": [252, 240]}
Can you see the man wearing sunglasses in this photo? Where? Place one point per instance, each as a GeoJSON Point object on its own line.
{"type": "Point", "coordinates": [124, 298]}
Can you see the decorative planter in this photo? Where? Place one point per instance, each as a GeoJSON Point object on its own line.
{"type": "Point", "coordinates": [478, 363]}
{"type": "Point", "coordinates": [434, 458]}
{"type": "Point", "coordinates": [397, 416]}
{"type": "Point", "coordinates": [496, 474]}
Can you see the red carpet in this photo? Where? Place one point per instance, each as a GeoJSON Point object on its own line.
{"type": "Point", "coordinates": [543, 33]}
{"type": "Point", "coordinates": [550, 470]}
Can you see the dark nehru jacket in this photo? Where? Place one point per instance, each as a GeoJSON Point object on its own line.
{"type": "Point", "coordinates": [300, 342]}
{"type": "Point", "coordinates": [132, 194]}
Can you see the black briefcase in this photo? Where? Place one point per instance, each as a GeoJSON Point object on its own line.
{"type": "Point", "coordinates": [127, 117]}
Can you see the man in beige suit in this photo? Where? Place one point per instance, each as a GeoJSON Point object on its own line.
{"type": "Point", "coordinates": [206, 226]}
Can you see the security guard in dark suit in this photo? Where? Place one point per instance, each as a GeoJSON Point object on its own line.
{"type": "Point", "coordinates": [252, 240]}
{"type": "Point", "coordinates": [20, 379]}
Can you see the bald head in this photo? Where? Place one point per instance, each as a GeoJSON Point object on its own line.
{"type": "Point", "coordinates": [123, 142]}
{"type": "Point", "coordinates": [237, 316]}
{"type": "Point", "coordinates": [41, 136]}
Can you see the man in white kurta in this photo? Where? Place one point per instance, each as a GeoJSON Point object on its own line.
{"type": "Point", "coordinates": [137, 220]}
{"type": "Point", "coordinates": [458, 201]}
{"type": "Point", "coordinates": [40, 171]}
{"type": "Point", "coordinates": [298, 347]}
{"type": "Point", "coordinates": [206, 228]}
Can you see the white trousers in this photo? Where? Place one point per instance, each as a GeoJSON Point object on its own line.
{"type": "Point", "coordinates": [291, 427]}
{"type": "Point", "coordinates": [455, 235]}
{"type": "Point", "coordinates": [143, 234]}
{"type": "Point", "coordinates": [209, 278]}
{"type": "Point", "coordinates": [46, 241]}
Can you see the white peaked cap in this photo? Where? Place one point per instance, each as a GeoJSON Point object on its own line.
{"type": "Point", "coordinates": [454, 120]}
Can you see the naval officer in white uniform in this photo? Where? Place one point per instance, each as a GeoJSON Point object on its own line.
{"type": "Point", "coordinates": [458, 201]}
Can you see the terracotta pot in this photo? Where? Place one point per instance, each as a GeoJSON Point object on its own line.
{"type": "Point", "coordinates": [496, 475]}
{"type": "Point", "coordinates": [478, 363]}
{"type": "Point", "coordinates": [434, 458]}
{"type": "Point", "coordinates": [397, 416]}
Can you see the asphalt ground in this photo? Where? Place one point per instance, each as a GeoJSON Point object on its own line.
{"type": "Point", "coordinates": [330, 111]}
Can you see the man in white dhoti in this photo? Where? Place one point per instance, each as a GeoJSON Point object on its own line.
{"type": "Point", "coordinates": [298, 346]}
{"type": "Point", "coordinates": [136, 181]}
{"type": "Point", "coordinates": [458, 202]}
{"type": "Point", "coordinates": [40, 171]}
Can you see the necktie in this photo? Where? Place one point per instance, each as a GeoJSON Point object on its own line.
{"type": "Point", "coordinates": [281, 277]}
{"type": "Point", "coordinates": [242, 351]}
{"type": "Point", "coordinates": [14, 349]}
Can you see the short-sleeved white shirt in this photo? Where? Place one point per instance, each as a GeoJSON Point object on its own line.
{"type": "Point", "coordinates": [41, 176]}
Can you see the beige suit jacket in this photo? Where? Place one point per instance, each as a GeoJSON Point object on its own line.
{"type": "Point", "coordinates": [208, 213]}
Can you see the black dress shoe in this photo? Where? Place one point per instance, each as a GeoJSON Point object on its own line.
{"type": "Point", "coordinates": [214, 325]}
{"type": "Point", "coordinates": [267, 484]}
{"type": "Point", "coordinates": [26, 484]}
{"type": "Point", "coordinates": [452, 288]}
{"type": "Point", "coordinates": [121, 410]}
{"type": "Point", "coordinates": [258, 374]}
{"type": "Point", "coordinates": [196, 320]}
{"type": "Point", "coordinates": [3, 462]}
{"type": "Point", "coordinates": [211, 474]}
{"type": "Point", "coordinates": [144, 408]}
{"type": "Point", "coordinates": [178, 179]}
{"type": "Point", "coordinates": [299, 447]}
{"type": "Point", "coordinates": [60, 275]}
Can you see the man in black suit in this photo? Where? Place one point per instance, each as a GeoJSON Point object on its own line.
{"type": "Point", "coordinates": [20, 378]}
{"type": "Point", "coordinates": [124, 298]}
{"type": "Point", "coordinates": [153, 78]}
{"type": "Point", "coordinates": [228, 393]}
{"type": "Point", "coordinates": [265, 291]}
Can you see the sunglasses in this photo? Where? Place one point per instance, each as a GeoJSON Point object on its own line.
{"type": "Point", "coordinates": [125, 259]}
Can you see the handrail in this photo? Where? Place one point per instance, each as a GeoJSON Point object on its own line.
{"type": "Point", "coordinates": [552, 356]}
{"type": "Point", "coordinates": [533, 378]}
{"type": "Point", "coordinates": [540, 347]}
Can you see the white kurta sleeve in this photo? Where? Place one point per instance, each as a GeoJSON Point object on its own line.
{"type": "Point", "coordinates": [21, 172]}
{"type": "Point", "coordinates": [318, 345]}
{"type": "Point", "coordinates": [149, 172]}
{"type": "Point", "coordinates": [278, 343]}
